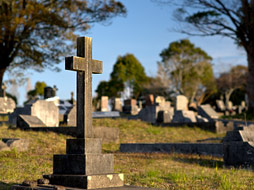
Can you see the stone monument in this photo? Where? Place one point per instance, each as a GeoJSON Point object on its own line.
{"type": "Point", "coordinates": [84, 166]}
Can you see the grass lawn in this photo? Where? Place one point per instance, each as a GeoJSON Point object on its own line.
{"type": "Point", "coordinates": [164, 171]}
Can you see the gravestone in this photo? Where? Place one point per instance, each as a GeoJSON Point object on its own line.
{"type": "Point", "coordinates": [28, 121]}
{"type": "Point", "coordinates": [104, 104]}
{"type": "Point", "coordinates": [220, 105]}
{"type": "Point", "coordinates": [238, 147]}
{"type": "Point", "coordinates": [159, 100]}
{"type": "Point", "coordinates": [149, 100]}
{"type": "Point", "coordinates": [181, 103]}
{"type": "Point", "coordinates": [84, 166]}
{"type": "Point", "coordinates": [117, 105]}
{"type": "Point", "coordinates": [55, 89]}
{"type": "Point", "coordinates": [46, 111]}
{"type": "Point", "coordinates": [230, 105]}
{"type": "Point", "coordinates": [7, 105]}
{"type": "Point", "coordinates": [208, 112]}
{"type": "Point", "coordinates": [130, 107]}
{"type": "Point", "coordinates": [48, 92]}
{"type": "Point", "coordinates": [184, 116]}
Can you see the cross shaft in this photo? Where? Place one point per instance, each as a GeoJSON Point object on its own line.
{"type": "Point", "coordinates": [85, 66]}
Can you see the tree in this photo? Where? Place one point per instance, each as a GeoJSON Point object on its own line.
{"type": "Point", "coordinates": [37, 91]}
{"type": "Point", "coordinates": [127, 73]}
{"type": "Point", "coordinates": [230, 81]}
{"type": "Point", "coordinates": [233, 19]}
{"type": "Point", "coordinates": [187, 69]}
{"type": "Point", "coordinates": [35, 34]}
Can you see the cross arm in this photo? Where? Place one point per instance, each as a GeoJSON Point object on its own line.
{"type": "Point", "coordinates": [74, 63]}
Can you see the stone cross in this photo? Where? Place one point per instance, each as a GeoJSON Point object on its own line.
{"type": "Point", "coordinates": [85, 66]}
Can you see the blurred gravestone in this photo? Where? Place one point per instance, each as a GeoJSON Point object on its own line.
{"type": "Point", "coordinates": [48, 92]}
{"type": "Point", "coordinates": [104, 104]}
{"type": "Point", "coordinates": [130, 107]}
{"type": "Point", "coordinates": [149, 100]}
{"type": "Point", "coordinates": [117, 105]}
{"type": "Point", "coordinates": [181, 103]}
{"type": "Point", "coordinates": [208, 112]}
{"type": "Point", "coordinates": [220, 105]}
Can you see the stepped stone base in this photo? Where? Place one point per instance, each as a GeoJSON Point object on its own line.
{"type": "Point", "coordinates": [83, 164]}
{"type": "Point", "coordinates": [87, 181]}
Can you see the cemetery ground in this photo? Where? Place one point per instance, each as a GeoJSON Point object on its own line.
{"type": "Point", "coordinates": [163, 171]}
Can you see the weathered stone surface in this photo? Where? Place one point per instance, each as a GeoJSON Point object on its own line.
{"type": "Point", "coordinates": [109, 114]}
{"type": "Point", "coordinates": [239, 148]}
{"type": "Point", "coordinates": [28, 121]}
{"type": "Point", "coordinates": [201, 119]}
{"type": "Point", "coordinates": [220, 105]}
{"type": "Point", "coordinates": [71, 116]}
{"type": "Point", "coordinates": [47, 112]}
{"type": "Point", "coordinates": [88, 181]}
{"type": "Point", "coordinates": [107, 134]}
{"type": "Point", "coordinates": [7, 105]}
{"type": "Point", "coordinates": [164, 117]}
{"type": "Point", "coordinates": [150, 113]}
{"type": "Point", "coordinates": [83, 164]}
{"type": "Point", "coordinates": [184, 117]}
{"type": "Point", "coordinates": [181, 103]}
{"type": "Point", "coordinates": [117, 105]}
{"type": "Point", "coordinates": [213, 149]}
{"type": "Point", "coordinates": [83, 146]}
{"type": "Point", "coordinates": [130, 107]}
{"type": "Point", "coordinates": [208, 112]}
{"type": "Point", "coordinates": [104, 104]}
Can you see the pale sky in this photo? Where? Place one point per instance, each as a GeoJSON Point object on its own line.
{"type": "Point", "coordinates": [145, 32]}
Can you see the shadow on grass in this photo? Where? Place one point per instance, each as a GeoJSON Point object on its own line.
{"type": "Point", "coordinates": [205, 162]}
{"type": "Point", "coordinates": [6, 186]}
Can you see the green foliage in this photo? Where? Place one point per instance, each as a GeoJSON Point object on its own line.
{"type": "Point", "coordinates": [35, 34]}
{"type": "Point", "coordinates": [37, 91]}
{"type": "Point", "coordinates": [233, 19]}
{"type": "Point", "coordinates": [188, 69]}
{"type": "Point", "coordinates": [127, 73]}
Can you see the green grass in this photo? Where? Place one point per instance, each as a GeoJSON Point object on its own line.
{"type": "Point", "coordinates": [164, 171]}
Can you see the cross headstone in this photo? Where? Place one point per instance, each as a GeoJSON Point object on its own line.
{"type": "Point", "coordinates": [54, 90]}
{"type": "Point", "coordinates": [85, 66]}
{"type": "Point", "coordinates": [3, 90]}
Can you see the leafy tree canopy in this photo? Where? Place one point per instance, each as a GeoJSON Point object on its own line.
{"type": "Point", "coordinates": [37, 91]}
{"type": "Point", "coordinates": [127, 73]}
{"type": "Point", "coordinates": [187, 69]}
{"type": "Point", "coordinates": [36, 34]}
{"type": "Point", "coordinates": [233, 19]}
{"type": "Point", "coordinates": [232, 80]}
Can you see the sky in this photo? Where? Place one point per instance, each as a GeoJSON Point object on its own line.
{"type": "Point", "coordinates": [145, 31]}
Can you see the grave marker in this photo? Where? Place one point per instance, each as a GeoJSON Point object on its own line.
{"type": "Point", "coordinates": [84, 163]}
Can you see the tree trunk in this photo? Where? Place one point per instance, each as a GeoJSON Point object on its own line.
{"type": "Point", "coordinates": [250, 81]}
{"type": "Point", "coordinates": [1, 81]}
{"type": "Point", "coordinates": [2, 70]}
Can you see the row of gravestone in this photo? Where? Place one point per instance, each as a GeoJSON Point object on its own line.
{"type": "Point", "coordinates": [229, 108]}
